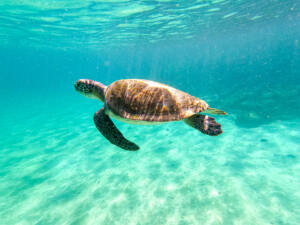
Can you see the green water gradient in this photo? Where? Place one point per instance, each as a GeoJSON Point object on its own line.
{"type": "Point", "coordinates": [240, 56]}
{"type": "Point", "coordinates": [57, 169]}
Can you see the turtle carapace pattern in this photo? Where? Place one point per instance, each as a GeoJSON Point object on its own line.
{"type": "Point", "coordinates": [139, 101]}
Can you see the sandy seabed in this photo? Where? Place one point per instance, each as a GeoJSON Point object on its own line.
{"type": "Point", "coordinates": [59, 170]}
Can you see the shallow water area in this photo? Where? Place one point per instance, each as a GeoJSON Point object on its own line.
{"type": "Point", "coordinates": [62, 171]}
{"type": "Point", "coordinates": [239, 56]}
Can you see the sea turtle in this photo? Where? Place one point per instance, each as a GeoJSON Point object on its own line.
{"type": "Point", "coordinates": [145, 102]}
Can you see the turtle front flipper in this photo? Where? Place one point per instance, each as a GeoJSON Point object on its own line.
{"type": "Point", "coordinates": [108, 129]}
{"type": "Point", "coordinates": [205, 124]}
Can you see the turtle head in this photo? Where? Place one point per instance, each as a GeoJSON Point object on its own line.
{"type": "Point", "coordinates": [84, 87]}
{"type": "Point", "coordinates": [90, 89]}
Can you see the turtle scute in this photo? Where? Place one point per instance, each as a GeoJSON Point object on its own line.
{"type": "Point", "coordinates": [150, 101]}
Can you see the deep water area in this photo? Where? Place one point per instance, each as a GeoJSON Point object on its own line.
{"type": "Point", "coordinates": [242, 57]}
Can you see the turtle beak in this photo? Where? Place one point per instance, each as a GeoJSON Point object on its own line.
{"type": "Point", "coordinates": [76, 85]}
{"type": "Point", "coordinates": [79, 84]}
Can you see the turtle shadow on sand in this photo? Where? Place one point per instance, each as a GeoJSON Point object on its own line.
{"type": "Point", "coordinates": [145, 102]}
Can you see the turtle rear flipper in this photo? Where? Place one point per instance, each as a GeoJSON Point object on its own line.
{"type": "Point", "coordinates": [214, 111]}
{"type": "Point", "coordinates": [108, 129]}
{"type": "Point", "coordinates": [205, 124]}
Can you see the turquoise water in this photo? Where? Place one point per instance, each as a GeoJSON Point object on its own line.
{"type": "Point", "coordinates": [240, 56]}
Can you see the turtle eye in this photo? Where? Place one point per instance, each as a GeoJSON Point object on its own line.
{"type": "Point", "coordinates": [86, 89]}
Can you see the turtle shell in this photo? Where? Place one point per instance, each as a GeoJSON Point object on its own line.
{"type": "Point", "coordinates": [145, 100]}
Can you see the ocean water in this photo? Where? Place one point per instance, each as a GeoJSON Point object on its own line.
{"type": "Point", "coordinates": [240, 56]}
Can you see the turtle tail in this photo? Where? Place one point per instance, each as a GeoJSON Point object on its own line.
{"type": "Point", "coordinates": [214, 111]}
